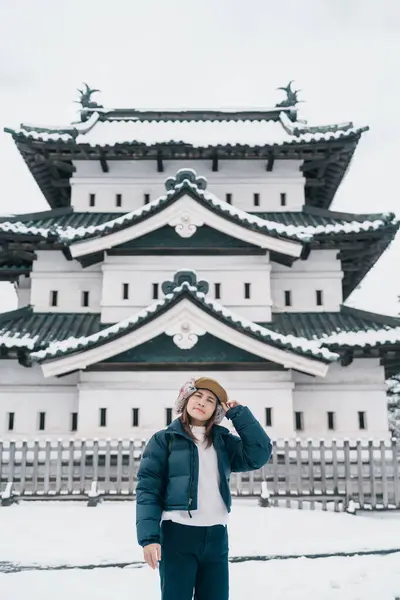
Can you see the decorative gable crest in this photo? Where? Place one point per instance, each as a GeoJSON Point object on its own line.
{"type": "Point", "coordinates": [185, 175]}
{"type": "Point", "coordinates": [185, 276]}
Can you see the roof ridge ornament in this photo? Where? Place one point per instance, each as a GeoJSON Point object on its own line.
{"type": "Point", "coordinates": [187, 276]}
{"type": "Point", "coordinates": [86, 101]}
{"type": "Point", "coordinates": [185, 175]}
{"type": "Point", "coordinates": [291, 96]}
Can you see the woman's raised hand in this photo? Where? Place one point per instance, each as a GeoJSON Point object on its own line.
{"type": "Point", "coordinates": [152, 554]}
{"type": "Point", "coordinates": [230, 404]}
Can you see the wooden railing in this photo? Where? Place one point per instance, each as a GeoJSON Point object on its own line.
{"type": "Point", "coordinates": [331, 474]}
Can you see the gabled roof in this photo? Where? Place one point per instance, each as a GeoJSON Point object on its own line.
{"type": "Point", "coordinates": [267, 134]}
{"type": "Point", "coordinates": [349, 330]}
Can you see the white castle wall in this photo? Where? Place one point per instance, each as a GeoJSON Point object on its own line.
{"type": "Point", "coordinates": [231, 272]}
{"type": "Point", "coordinates": [345, 391]}
{"type": "Point", "coordinates": [321, 271]}
{"type": "Point", "coordinates": [241, 178]}
{"type": "Point", "coordinates": [53, 272]}
{"type": "Point", "coordinates": [104, 282]}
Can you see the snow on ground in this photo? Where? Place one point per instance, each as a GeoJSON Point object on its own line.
{"type": "Point", "coordinates": [64, 533]}
{"type": "Point", "coordinates": [358, 578]}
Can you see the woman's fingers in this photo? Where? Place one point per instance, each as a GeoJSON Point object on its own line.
{"type": "Point", "coordinates": [152, 554]}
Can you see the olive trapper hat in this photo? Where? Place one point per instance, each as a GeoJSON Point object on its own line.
{"type": "Point", "coordinates": [202, 383]}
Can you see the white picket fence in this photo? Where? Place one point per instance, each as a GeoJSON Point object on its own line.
{"type": "Point", "coordinates": [328, 474]}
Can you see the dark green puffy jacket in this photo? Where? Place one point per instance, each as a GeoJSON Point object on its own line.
{"type": "Point", "coordinates": [169, 468]}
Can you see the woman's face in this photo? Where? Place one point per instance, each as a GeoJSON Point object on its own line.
{"type": "Point", "coordinates": [201, 406]}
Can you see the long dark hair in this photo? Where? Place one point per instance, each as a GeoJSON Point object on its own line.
{"type": "Point", "coordinates": [185, 420]}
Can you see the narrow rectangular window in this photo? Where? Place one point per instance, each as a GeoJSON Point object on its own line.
{"type": "Point", "coordinates": [125, 291]}
{"type": "Point", "coordinates": [331, 420]}
{"type": "Point", "coordinates": [74, 421]}
{"type": "Point", "coordinates": [118, 200]}
{"type": "Point", "coordinates": [85, 298]}
{"type": "Point", "coordinates": [135, 417]}
{"type": "Point", "coordinates": [247, 290]}
{"type": "Point", "coordinates": [217, 290]}
{"type": "Point", "coordinates": [298, 421]}
{"type": "Point", "coordinates": [103, 417]}
{"type": "Point", "coordinates": [288, 298]}
{"type": "Point", "coordinates": [155, 291]}
{"type": "Point", "coordinates": [229, 198]}
{"type": "Point", "coordinates": [362, 421]}
{"type": "Point", "coordinates": [319, 297]}
{"type": "Point", "coordinates": [146, 198]}
{"type": "Point", "coordinates": [11, 421]}
{"type": "Point", "coordinates": [92, 199]}
{"type": "Point", "coordinates": [54, 298]}
{"type": "Point", "coordinates": [283, 199]}
{"type": "Point", "coordinates": [168, 416]}
{"type": "Point", "coordinates": [256, 198]}
{"type": "Point", "coordinates": [268, 417]}
{"type": "Point", "coordinates": [42, 421]}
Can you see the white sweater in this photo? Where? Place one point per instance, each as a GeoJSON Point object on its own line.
{"type": "Point", "coordinates": [211, 507]}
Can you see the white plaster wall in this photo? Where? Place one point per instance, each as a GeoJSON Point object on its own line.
{"type": "Point", "coordinates": [241, 178]}
{"type": "Point", "coordinates": [321, 271]}
{"type": "Point", "coordinates": [152, 393]}
{"type": "Point", "coordinates": [23, 290]}
{"type": "Point", "coordinates": [344, 391]}
{"type": "Point", "coordinates": [52, 271]}
{"type": "Point", "coordinates": [26, 392]}
{"type": "Point", "coordinates": [141, 272]}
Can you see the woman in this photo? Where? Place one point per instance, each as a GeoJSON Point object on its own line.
{"type": "Point", "coordinates": [183, 497]}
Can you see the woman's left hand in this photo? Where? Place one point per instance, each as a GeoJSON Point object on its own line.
{"type": "Point", "coordinates": [230, 404]}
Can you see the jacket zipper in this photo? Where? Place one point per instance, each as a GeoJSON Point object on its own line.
{"type": "Point", "coordinates": [191, 482]}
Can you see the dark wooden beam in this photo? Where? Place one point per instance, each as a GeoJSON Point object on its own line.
{"type": "Point", "coordinates": [215, 163]}
{"type": "Point", "coordinates": [103, 163]}
{"type": "Point", "coordinates": [315, 183]}
{"type": "Point", "coordinates": [270, 163]}
{"type": "Point", "coordinates": [160, 164]}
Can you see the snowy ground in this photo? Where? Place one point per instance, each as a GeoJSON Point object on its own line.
{"type": "Point", "coordinates": [50, 534]}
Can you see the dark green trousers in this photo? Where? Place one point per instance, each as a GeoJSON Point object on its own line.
{"type": "Point", "coordinates": [194, 559]}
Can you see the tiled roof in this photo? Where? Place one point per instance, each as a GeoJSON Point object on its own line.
{"type": "Point", "coordinates": [298, 226]}
{"type": "Point", "coordinates": [26, 329]}
{"type": "Point", "coordinates": [290, 343]}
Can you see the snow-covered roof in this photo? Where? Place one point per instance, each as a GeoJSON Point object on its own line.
{"type": "Point", "coordinates": [195, 133]}
{"type": "Point", "coordinates": [362, 338]}
{"type": "Point", "coordinates": [287, 342]}
{"type": "Point", "coordinates": [188, 178]}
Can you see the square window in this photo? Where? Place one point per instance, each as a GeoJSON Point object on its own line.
{"type": "Point", "coordinates": [118, 200]}
{"type": "Point", "coordinates": [146, 198]}
{"type": "Point", "coordinates": [288, 298]}
{"type": "Point", "coordinates": [125, 291]}
{"type": "Point", "coordinates": [247, 290]}
{"type": "Point", "coordinates": [283, 199]}
{"type": "Point", "coordinates": [268, 417]}
{"type": "Point", "coordinates": [298, 421]}
{"type": "Point", "coordinates": [74, 421]}
{"type": "Point", "coordinates": [228, 198]}
{"type": "Point", "coordinates": [155, 291]}
{"type": "Point", "coordinates": [103, 417]}
{"type": "Point", "coordinates": [11, 421]}
{"type": "Point", "coordinates": [362, 421]}
{"type": "Point", "coordinates": [331, 420]}
{"type": "Point", "coordinates": [42, 421]}
{"type": "Point", "coordinates": [217, 291]}
{"type": "Point", "coordinates": [92, 200]}
{"type": "Point", "coordinates": [168, 416]}
{"type": "Point", "coordinates": [319, 297]}
{"type": "Point", "coordinates": [256, 199]}
{"type": "Point", "coordinates": [135, 417]}
{"type": "Point", "coordinates": [54, 298]}
{"type": "Point", "coordinates": [85, 298]}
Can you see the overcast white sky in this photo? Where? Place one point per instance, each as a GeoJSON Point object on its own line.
{"type": "Point", "coordinates": [343, 54]}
